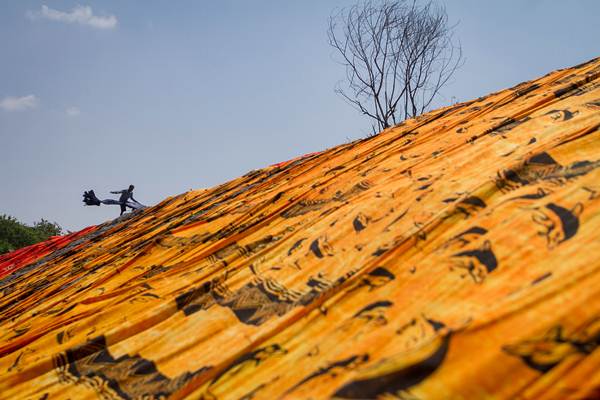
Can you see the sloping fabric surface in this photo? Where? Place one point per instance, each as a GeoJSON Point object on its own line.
{"type": "Point", "coordinates": [13, 261]}
{"type": "Point", "coordinates": [456, 255]}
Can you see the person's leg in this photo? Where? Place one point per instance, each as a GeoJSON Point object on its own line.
{"type": "Point", "coordinates": [110, 202]}
{"type": "Point", "coordinates": [122, 208]}
{"type": "Point", "coordinates": [134, 205]}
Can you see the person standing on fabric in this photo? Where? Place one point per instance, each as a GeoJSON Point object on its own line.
{"type": "Point", "coordinates": [126, 194]}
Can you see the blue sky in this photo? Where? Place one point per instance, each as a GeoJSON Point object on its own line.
{"type": "Point", "coordinates": [172, 96]}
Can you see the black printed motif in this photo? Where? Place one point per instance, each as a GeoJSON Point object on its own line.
{"type": "Point", "coordinates": [558, 223]}
{"type": "Point", "coordinates": [417, 331]}
{"type": "Point", "coordinates": [594, 105]}
{"type": "Point", "coordinates": [353, 191]}
{"type": "Point", "coordinates": [247, 361]}
{"type": "Point", "coordinates": [465, 237]}
{"type": "Point", "coordinates": [542, 168]}
{"type": "Point", "coordinates": [398, 218]}
{"type": "Point", "coordinates": [261, 244]}
{"type": "Point", "coordinates": [380, 251]}
{"type": "Point", "coordinates": [321, 247]}
{"type": "Point", "coordinates": [169, 241]}
{"type": "Point", "coordinates": [333, 369]}
{"type": "Point", "coordinates": [470, 206]}
{"type": "Point", "coordinates": [561, 115]}
{"type": "Point", "coordinates": [258, 301]}
{"type": "Point", "coordinates": [126, 377]}
{"type": "Point", "coordinates": [19, 364]}
{"type": "Point", "coordinates": [360, 222]}
{"type": "Point", "coordinates": [304, 207]}
{"type": "Point", "coordinates": [154, 270]}
{"type": "Point", "coordinates": [251, 394]}
{"type": "Point", "coordinates": [374, 312]}
{"type": "Point", "coordinates": [547, 351]}
{"type": "Point", "coordinates": [307, 206]}
{"type": "Point", "coordinates": [398, 381]}
{"type": "Point", "coordinates": [295, 246]}
{"type": "Point", "coordinates": [195, 300]}
{"type": "Point", "coordinates": [376, 278]}
{"type": "Point", "coordinates": [541, 278]}
{"type": "Point", "coordinates": [64, 336]}
{"type": "Point", "coordinates": [478, 263]}
{"type": "Point", "coordinates": [232, 251]}
{"type": "Point", "coordinates": [224, 253]}
{"type": "Point", "coordinates": [591, 191]}
{"type": "Point", "coordinates": [539, 194]}
{"type": "Point", "coordinates": [574, 89]}
{"type": "Point", "coordinates": [522, 91]}
{"type": "Point", "coordinates": [332, 170]}
{"type": "Point", "coordinates": [507, 125]}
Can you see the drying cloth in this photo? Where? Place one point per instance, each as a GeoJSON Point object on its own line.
{"type": "Point", "coordinates": [454, 256]}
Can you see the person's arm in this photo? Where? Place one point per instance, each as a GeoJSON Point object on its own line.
{"type": "Point", "coordinates": [118, 192]}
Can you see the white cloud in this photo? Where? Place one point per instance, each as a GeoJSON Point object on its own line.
{"type": "Point", "coordinates": [80, 14]}
{"type": "Point", "coordinates": [19, 103]}
{"type": "Point", "coordinates": [73, 111]}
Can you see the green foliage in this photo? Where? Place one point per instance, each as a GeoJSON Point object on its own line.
{"type": "Point", "coordinates": [47, 228]}
{"type": "Point", "coordinates": [14, 234]}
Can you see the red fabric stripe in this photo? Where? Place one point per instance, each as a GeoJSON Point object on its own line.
{"type": "Point", "coordinates": [17, 259]}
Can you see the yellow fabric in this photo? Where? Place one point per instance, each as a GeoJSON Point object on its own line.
{"type": "Point", "coordinates": [455, 256]}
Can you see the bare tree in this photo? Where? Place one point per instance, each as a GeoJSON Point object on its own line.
{"type": "Point", "coordinates": [397, 54]}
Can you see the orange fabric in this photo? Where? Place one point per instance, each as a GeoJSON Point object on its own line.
{"type": "Point", "coordinates": [12, 261]}
{"type": "Point", "coordinates": [283, 163]}
{"type": "Point", "coordinates": [455, 256]}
